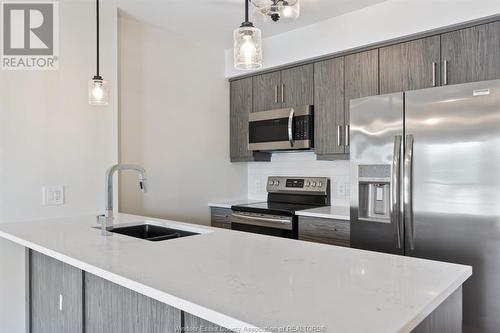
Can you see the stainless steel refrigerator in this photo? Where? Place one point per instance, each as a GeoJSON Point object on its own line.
{"type": "Point", "coordinates": [425, 182]}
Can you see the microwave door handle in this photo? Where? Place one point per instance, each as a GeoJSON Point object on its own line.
{"type": "Point", "coordinates": [290, 126]}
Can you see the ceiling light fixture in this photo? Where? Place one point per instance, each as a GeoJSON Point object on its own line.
{"type": "Point", "coordinates": [247, 45]}
{"type": "Point", "coordinates": [98, 90]}
{"type": "Point", "coordinates": [277, 10]}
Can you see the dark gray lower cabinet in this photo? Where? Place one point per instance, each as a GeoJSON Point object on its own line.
{"type": "Point", "coordinates": [221, 217]}
{"type": "Point", "coordinates": [55, 296]}
{"type": "Point", "coordinates": [110, 308]}
{"type": "Point", "coordinates": [326, 231]}
{"type": "Point", "coordinates": [195, 324]}
{"type": "Point", "coordinates": [64, 299]}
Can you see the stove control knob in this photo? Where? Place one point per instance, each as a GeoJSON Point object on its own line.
{"type": "Point", "coordinates": [277, 183]}
{"type": "Point", "coordinates": [308, 183]}
{"type": "Point", "coordinates": [314, 184]}
{"type": "Point", "coordinates": [271, 182]}
{"type": "Point", "coordinates": [320, 184]}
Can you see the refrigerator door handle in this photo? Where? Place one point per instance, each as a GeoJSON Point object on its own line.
{"type": "Point", "coordinates": [396, 190]}
{"type": "Point", "coordinates": [408, 191]}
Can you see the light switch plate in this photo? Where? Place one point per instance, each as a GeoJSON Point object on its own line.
{"type": "Point", "coordinates": [53, 195]}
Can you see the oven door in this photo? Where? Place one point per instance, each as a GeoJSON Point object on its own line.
{"type": "Point", "coordinates": [272, 225]}
{"type": "Point", "coordinates": [282, 129]}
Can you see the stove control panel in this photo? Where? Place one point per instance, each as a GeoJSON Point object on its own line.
{"type": "Point", "coordinates": [313, 185]}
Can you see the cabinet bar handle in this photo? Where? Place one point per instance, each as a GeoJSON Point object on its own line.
{"type": "Point", "coordinates": [347, 135]}
{"type": "Point", "coordinates": [283, 93]}
{"type": "Point", "coordinates": [60, 302]}
{"type": "Point", "coordinates": [276, 93]}
{"type": "Point", "coordinates": [339, 130]}
{"type": "Point", "coordinates": [445, 72]}
{"type": "Point", "coordinates": [434, 74]}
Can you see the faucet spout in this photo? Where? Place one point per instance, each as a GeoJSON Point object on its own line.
{"type": "Point", "coordinates": [108, 215]}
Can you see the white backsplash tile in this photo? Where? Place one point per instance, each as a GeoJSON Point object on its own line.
{"type": "Point", "coordinates": [296, 165]}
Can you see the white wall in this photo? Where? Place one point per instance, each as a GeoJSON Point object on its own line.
{"type": "Point", "coordinates": [300, 165]}
{"type": "Point", "coordinates": [384, 21]}
{"type": "Point", "coordinates": [175, 122]}
{"type": "Point", "coordinates": [49, 135]}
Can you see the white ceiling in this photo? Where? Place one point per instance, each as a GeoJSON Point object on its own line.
{"type": "Point", "coordinates": [213, 21]}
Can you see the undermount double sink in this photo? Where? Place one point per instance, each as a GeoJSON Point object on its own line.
{"type": "Point", "coordinates": [154, 232]}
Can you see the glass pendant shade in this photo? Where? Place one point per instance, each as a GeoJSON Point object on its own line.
{"type": "Point", "coordinates": [247, 48]}
{"type": "Point", "coordinates": [98, 92]}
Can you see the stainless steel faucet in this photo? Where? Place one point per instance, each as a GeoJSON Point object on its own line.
{"type": "Point", "coordinates": [108, 215]}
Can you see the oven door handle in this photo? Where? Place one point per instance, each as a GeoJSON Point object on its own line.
{"type": "Point", "coordinates": [262, 221]}
{"type": "Point", "coordinates": [290, 126]}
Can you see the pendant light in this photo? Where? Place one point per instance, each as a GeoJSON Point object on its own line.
{"type": "Point", "coordinates": [277, 10]}
{"type": "Point", "coordinates": [98, 90]}
{"type": "Point", "coordinates": [247, 45]}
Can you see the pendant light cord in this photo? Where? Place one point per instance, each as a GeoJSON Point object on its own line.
{"type": "Point", "coordinates": [247, 22]}
{"type": "Point", "coordinates": [247, 19]}
{"type": "Point", "coordinates": [97, 12]}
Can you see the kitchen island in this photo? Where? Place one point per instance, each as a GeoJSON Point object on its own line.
{"type": "Point", "coordinates": [234, 280]}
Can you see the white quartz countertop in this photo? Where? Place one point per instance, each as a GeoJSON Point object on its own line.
{"type": "Point", "coordinates": [228, 204]}
{"type": "Point", "coordinates": [328, 212]}
{"type": "Point", "coordinates": [247, 281]}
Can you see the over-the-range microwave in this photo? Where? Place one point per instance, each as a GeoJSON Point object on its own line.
{"type": "Point", "coordinates": [281, 129]}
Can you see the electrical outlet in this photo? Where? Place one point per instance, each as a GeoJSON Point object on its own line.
{"type": "Point", "coordinates": [340, 190]}
{"type": "Point", "coordinates": [53, 195]}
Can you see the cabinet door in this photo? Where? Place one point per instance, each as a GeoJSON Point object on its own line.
{"type": "Point", "coordinates": [472, 54]}
{"type": "Point", "coordinates": [110, 308]}
{"type": "Point", "coordinates": [266, 92]}
{"type": "Point", "coordinates": [241, 106]}
{"type": "Point", "coordinates": [361, 80]}
{"type": "Point", "coordinates": [221, 217]}
{"type": "Point", "coordinates": [326, 231]}
{"type": "Point", "coordinates": [56, 299]}
{"type": "Point", "coordinates": [297, 86]}
{"type": "Point", "coordinates": [411, 65]}
{"type": "Point", "coordinates": [196, 324]}
{"type": "Point", "coordinates": [329, 107]}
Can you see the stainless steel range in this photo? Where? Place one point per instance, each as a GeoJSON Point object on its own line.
{"type": "Point", "coordinates": [276, 216]}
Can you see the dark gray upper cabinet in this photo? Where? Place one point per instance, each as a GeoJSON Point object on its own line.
{"type": "Point", "coordinates": [110, 308]}
{"type": "Point", "coordinates": [240, 108]}
{"type": "Point", "coordinates": [267, 92]}
{"type": "Point", "coordinates": [297, 86]}
{"type": "Point", "coordinates": [411, 65]}
{"type": "Point", "coordinates": [329, 115]}
{"type": "Point", "coordinates": [466, 55]}
{"type": "Point", "coordinates": [286, 88]}
{"type": "Point", "coordinates": [361, 80]}
{"type": "Point", "coordinates": [472, 54]}
{"type": "Point", "coordinates": [55, 295]}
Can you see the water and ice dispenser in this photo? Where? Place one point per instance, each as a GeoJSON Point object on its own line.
{"type": "Point", "coordinates": [374, 193]}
